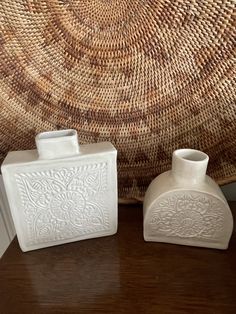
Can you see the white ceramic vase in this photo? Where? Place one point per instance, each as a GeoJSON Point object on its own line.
{"type": "Point", "coordinates": [61, 192]}
{"type": "Point", "coordinates": [185, 206]}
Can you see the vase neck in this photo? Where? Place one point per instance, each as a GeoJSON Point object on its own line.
{"type": "Point", "coordinates": [189, 165]}
{"type": "Point", "coordinates": [57, 144]}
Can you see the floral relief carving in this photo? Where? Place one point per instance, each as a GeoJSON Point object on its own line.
{"type": "Point", "coordinates": [63, 203]}
{"type": "Point", "coordinates": [188, 216]}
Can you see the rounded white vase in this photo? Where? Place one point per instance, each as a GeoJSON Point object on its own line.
{"type": "Point", "coordinates": [185, 206]}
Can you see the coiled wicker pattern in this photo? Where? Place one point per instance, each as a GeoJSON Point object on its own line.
{"type": "Point", "coordinates": [150, 76]}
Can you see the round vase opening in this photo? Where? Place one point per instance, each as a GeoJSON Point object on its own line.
{"type": "Point", "coordinates": [191, 155]}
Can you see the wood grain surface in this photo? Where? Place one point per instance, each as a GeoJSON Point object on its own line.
{"type": "Point", "coordinates": [119, 274]}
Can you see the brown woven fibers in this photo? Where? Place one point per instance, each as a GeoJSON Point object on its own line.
{"type": "Point", "coordinates": [150, 76]}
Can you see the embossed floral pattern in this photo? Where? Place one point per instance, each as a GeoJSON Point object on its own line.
{"type": "Point", "coordinates": [63, 203]}
{"type": "Point", "coordinates": [187, 216]}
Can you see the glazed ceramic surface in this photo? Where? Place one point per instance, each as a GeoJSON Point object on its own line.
{"type": "Point", "coordinates": [61, 192]}
{"type": "Point", "coordinates": [185, 206]}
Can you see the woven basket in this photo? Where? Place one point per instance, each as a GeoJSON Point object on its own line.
{"type": "Point", "coordinates": [150, 76]}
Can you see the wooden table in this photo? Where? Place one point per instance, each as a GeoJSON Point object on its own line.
{"type": "Point", "coordinates": [119, 274]}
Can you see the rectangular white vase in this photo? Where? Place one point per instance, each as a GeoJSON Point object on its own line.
{"type": "Point", "coordinates": [61, 192]}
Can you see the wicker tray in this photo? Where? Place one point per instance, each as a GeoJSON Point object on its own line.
{"type": "Point", "coordinates": [150, 76]}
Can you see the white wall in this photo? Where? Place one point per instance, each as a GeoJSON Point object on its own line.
{"type": "Point", "coordinates": [4, 238]}
{"type": "Point", "coordinates": [7, 230]}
